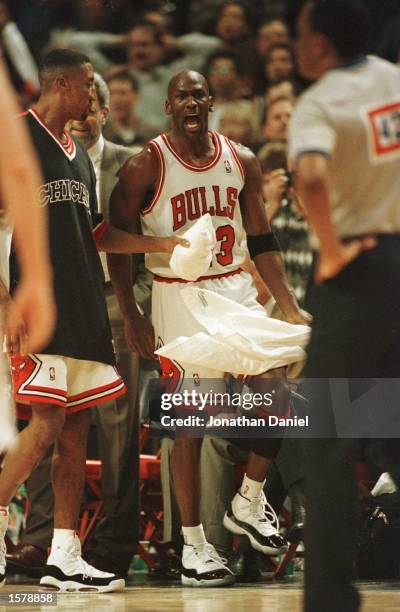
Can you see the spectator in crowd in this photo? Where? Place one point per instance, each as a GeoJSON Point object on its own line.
{"type": "Point", "coordinates": [123, 127]}
{"type": "Point", "coordinates": [234, 28]}
{"type": "Point", "coordinates": [286, 217]}
{"type": "Point", "coordinates": [239, 122]}
{"type": "Point", "coordinates": [233, 24]}
{"type": "Point", "coordinates": [276, 120]}
{"type": "Point", "coordinates": [288, 88]}
{"type": "Point", "coordinates": [223, 73]}
{"type": "Point", "coordinates": [279, 64]}
{"type": "Point", "coordinates": [270, 33]}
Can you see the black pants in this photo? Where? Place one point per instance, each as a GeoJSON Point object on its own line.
{"type": "Point", "coordinates": [355, 334]}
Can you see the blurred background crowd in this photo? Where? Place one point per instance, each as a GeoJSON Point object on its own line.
{"type": "Point", "coordinates": [245, 50]}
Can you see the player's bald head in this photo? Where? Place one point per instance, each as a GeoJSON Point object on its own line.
{"type": "Point", "coordinates": [183, 78]}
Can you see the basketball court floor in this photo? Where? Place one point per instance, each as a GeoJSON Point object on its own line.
{"type": "Point", "coordinates": [153, 596]}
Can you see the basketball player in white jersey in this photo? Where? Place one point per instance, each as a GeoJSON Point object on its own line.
{"type": "Point", "coordinates": [177, 178]}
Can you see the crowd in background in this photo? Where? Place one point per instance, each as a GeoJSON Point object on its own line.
{"type": "Point", "coordinates": [245, 50]}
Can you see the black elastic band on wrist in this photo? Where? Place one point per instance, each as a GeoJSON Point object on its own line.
{"type": "Point", "coordinates": [262, 244]}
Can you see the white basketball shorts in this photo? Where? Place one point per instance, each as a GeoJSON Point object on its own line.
{"type": "Point", "coordinates": [75, 384]}
{"type": "Point", "coordinates": [171, 317]}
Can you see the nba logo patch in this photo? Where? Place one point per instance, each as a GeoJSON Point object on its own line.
{"type": "Point", "coordinates": [52, 373]}
{"type": "Point", "coordinates": [196, 379]}
{"type": "Point", "coordinates": [228, 166]}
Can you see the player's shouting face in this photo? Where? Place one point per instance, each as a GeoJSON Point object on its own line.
{"type": "Point", "coordinates": [189, 103]}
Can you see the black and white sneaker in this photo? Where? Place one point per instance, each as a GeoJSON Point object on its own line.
{"type": "Point", "coordinates": [203, 567]}
{"type": "Point", "coordinates": [3, 548]}
{"type": "Point", "coordinates": [67, 572]}
{"type": "Point", "coordinates": [256, 519]}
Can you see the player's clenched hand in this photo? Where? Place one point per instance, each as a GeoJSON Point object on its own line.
{"type": "Point", "coordinates": [299, 317]}
{"type": "Point", "coordinates": [172, 241]}
{"type": "Point", "coordinates": [139, 334]}
{"type": "Point", "coordinates": [329, 267]}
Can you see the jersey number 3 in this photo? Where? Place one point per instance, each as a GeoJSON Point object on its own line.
{"type": "Point", "coordinates": [225, 234]}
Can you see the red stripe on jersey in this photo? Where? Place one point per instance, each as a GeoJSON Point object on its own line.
{"type": "Point", "coordinates": [68, 146]}
{"type": "Point", "coordinates": [191, 166]}
{"type": "Point", "coordinates": [99, 231]}
{"type": "Point", "coordinates": [236, 158]}
{"type": "Point", "coordinates": [164, 279]}
{"type": "Point", "coordinates": [159, 184]}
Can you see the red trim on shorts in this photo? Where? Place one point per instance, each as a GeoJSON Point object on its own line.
{"type": "Point", "coordinates": [160, 180]}
{"type": "Point", "coordinates": [236, 158]}
{"type": "Point", "coordinates": [47, 390]}
{"type": "Point", "coordinates": [97, 402]}
{"type": "Point", "coordinates": [164, 279]}
{"type": "Point", "coordinates": [116, 388]}
{"type": "Point", "coordinates": [196, 167]}
{"type": "Point", "coordinates": [40, 399]}
{"type": "Point", "coordinates": [99, 231]}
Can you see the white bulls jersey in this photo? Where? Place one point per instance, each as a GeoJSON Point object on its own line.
{"type": "Point", "coordinates": [184, 192]}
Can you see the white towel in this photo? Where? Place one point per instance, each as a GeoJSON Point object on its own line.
{"type": "Point", "coordinates": [237, 339]}
{"type": "Point", "coordinates": [193, 262]}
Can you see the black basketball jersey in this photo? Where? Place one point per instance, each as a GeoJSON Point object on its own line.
{"type": "Point", "coordinates": [69, 194]}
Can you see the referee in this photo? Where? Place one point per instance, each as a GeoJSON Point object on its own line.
{"type": "Point", "coordinates": [344, 142]}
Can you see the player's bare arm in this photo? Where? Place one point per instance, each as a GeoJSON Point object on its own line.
{"type": "Point", "coordinates": [269, 263]}
{"type": "Point", "coordinates": [20, 179]}
{"type": "Point", "coordinates": [136, 181]}
{"type": "Point", "coordinates": [312, 186]}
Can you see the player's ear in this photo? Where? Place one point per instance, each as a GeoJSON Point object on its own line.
{"type": "Point", "coordinates": [168, 107]}
{"type": "Point", "coordinates": [61, 82]}
{"type": "Point", "coordinates": [104, 114]}
{"type": "Point", "coordinates": [210, 104]}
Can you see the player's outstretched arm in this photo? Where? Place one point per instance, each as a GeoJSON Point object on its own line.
{"type": "Point", "coordinates": [32, 306]}
{"type": "Point", "coordinates": [136, 181]}
{"type": "Point", "coordinates": [269, 263]}
{"type": "Point", "coordinates": [115, 240]}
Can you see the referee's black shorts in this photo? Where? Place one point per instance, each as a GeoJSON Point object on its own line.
{"type": "Point", "coordinates": [356, 317]}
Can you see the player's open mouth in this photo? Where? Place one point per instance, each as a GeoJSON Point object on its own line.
{"type": "Point", "coordinates": [192, 122]}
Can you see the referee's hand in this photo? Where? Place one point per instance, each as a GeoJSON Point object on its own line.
{"type": "Point", "coordinates": [329, 267]}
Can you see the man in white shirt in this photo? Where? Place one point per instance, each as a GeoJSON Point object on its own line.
{"type": "Point", "coordinates": [344, 143]}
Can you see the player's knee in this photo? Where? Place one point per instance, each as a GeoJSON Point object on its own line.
{"type": "Point", "coordinates": [48, 424]}
{"type": "Point", "coordinates": [276, 387]}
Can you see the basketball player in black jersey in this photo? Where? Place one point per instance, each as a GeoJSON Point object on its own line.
{"type": "Point", "coordinates": [76, 370]}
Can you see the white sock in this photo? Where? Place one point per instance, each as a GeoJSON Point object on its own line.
{"type": "Point", "coordinates": [251, 488]}
{"type": "Point", "coordinates": [60, 536]}
{"type": "Point", "coordinates": [194, 535]}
